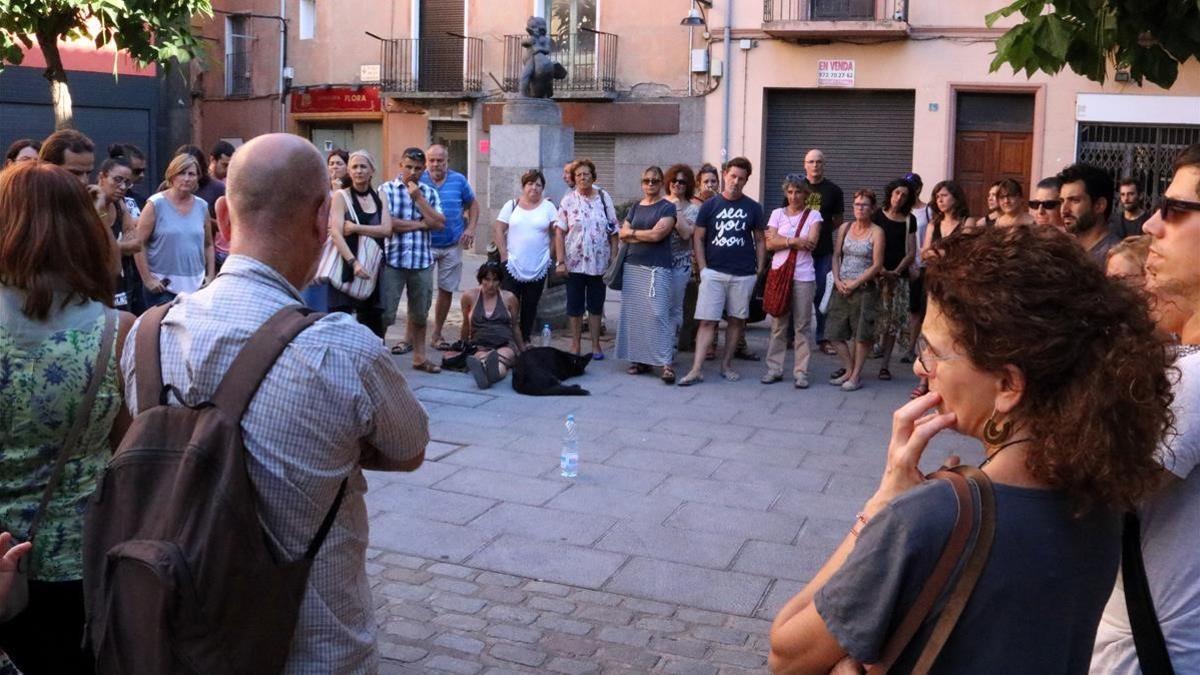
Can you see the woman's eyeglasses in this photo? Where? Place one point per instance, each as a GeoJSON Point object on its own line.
{"type": "Point", "coordinates": [1048, 204]}
{"type": "Point", "coordinates": [924, 351]}
{"type": "Point", "coordinates": [121, 181]}
{"type": "Point", "coordinates": [1166, 206]}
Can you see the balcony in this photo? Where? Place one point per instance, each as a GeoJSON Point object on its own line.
{"type": "Point", "coordinates": [448, 67]}
{"type": "Point", "coordinates": [822, 20]}
{"type": "Point", "coordinates": [589, 56]}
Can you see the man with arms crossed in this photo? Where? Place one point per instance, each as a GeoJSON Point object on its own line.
{"type": "Point", "coordinates": [333, 404]}
{"type": "Point", "coordinates": [730, 253]}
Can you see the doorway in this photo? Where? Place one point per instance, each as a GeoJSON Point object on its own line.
{"type": "Point", "coordinates": [452, 135]}
{"type": "Point", "coordinates": [993, 140]}
{"type": "Point", "coordinates": [350, 136]}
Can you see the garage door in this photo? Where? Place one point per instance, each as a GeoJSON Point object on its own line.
{"type": "Point", "coordinates": [867, 137]}
{"type": "Point", "coordinates": [601, 149]}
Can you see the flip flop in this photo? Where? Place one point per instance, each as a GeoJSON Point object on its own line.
{"type": "Point", "coordinates": [668, 375]}
{"type": "Point", "coordinates": [475, 367]}
{"type": "Point", "coordinates": [428, 367]}
{"type": "Point", "coordinates": [885, 374]}
{"type": "Point", "coordinates": [442, 346]}
{"type": "Point", "coordinates": [401, 348]}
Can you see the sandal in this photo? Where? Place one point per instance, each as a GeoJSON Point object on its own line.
{"type": "Point", "coordinates": [638, 369]}
{"type": "Point", "coordinates": [479, 372]}
{"type": "Point", "coordinates": [427, 367]}
{"type": "Point", "coordinates": [689, 380]}
{"type": "Point", "coordinates": [744, 354]}
{"type": "Point", "coordinates": [668, 375]}
{"type": "Point", "coordinates": [730, 375]}
{"type": "Point", "coordinates": [401, 348]}
{"type": "Point", "coordinates": [885, 374]}
{"type": "Point", "coordinates": [828, 349]}
{"type": "Point", "coordinates": [442, 346]}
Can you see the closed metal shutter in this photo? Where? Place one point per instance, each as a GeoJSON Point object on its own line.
{"type": "Point", "coordinates": [1144, 151]}
{"type": "Point", "coordinates": [867, 138]}
{"type": "Point", "coordinates": [602, 150]}
{"type": "Point", "coordinates": [441, 54]}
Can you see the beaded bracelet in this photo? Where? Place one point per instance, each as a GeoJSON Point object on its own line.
{"type": "Point", "coordinates": [860, 521]}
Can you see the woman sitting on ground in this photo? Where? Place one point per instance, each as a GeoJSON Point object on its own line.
{"type": "Point", "coordinates": [1060, 374]}
{"type": "Point", "coordinates": [491, 322]}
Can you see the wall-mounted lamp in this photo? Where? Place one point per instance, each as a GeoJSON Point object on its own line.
{"type": "Point", "coordinates": [695, 15]}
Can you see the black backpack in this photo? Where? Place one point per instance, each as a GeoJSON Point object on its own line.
{"type": "Point", "coordinates": [178, 574]}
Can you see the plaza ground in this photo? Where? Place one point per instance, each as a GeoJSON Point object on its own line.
{"type": "Point", "coordinates": [696, 514]}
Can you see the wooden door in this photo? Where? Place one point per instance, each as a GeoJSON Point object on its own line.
{"type": "Point", "coordinates": [984, 157]}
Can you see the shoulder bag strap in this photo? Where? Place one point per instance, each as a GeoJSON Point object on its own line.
{"type": "Point", "coordinates": [938, 579]}
{"type": "Point", "coordinates": [1148, 637]}
{"type": "Point", "coordinates": [972, 569]}
{"type": "Point", "coordinates": [314, 546]}
{"type": "Point", "coordinates": [147, 364]}
{"type": "Point", "coordinates": [258, 356]}
{"type": "Point", "coordinates": [793, 253]}
{"type": "Point", "coordinates": [349, 205]}
{"type": "Point", "coordinates": [83, 413]}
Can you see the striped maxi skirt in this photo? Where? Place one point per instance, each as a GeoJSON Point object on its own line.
{"type": "Point", "coordinates": [647, 332]}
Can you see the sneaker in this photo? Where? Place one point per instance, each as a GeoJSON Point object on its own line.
{"type": "Point", "coordinates": [839, 380]}
{"type": "Point", "coordinates": [802, 382]}
{"type": "Point", "coordinates": [771, 378]}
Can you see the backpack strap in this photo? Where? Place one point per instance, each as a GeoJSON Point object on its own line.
{"type": "Point", "coordinates": [319, 538]}
{"type": "Point", "coordinates": [1148, 639]}
{"type": "Point", "coordinates": [258, 356]}
{"type": "Point", "coordinates": [940, 577]}
{"type": "Point", "coordinates": [147, 364]}
{"type": "Point", "coordinates": [972, 569]}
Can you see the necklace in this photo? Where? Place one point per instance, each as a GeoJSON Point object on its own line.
{"type": "Point", "coordinates": [362, 193]}
{"type": "Point", "coordinates": [1001, 447]}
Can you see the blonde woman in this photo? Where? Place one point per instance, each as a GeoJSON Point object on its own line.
{"type": "Point", "coordinates": [174, 228]}
{"type": "Point", "coordinates": [358, 211]}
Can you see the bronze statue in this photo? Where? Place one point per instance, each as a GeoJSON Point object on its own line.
{"type": "Point", "coordinates": [540, 72]}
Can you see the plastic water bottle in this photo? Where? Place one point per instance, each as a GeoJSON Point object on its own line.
{"type": "Point", "coordinates": [545, 335]}
{"type": "Point", "coordinates": [569, 460]}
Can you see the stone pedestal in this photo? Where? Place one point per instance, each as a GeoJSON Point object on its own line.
{"type": "Point", "coordinates": [531, 136]}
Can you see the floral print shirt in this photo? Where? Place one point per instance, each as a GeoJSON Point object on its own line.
{"type": "Point", "coordinates": [589, 222]}
{"type": "Point", "coordinates": [44, 370]}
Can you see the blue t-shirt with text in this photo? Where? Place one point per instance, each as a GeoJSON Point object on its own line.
{"type": "Point", "coordinates": [456, 195]}
{"type": "Point", "coordinates": [729, 227]}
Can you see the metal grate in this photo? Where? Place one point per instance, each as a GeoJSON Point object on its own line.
{"type": "Point", "coordinates": [1145, 153]}
{"type": "Point", "coordinates": [451, 64]}
{"type": "Point", "coordinates": [237, 72]}
{"type": "Point", "coordinates": [590, 58]}
{"type": "Point", "coordinates": [834, 10]}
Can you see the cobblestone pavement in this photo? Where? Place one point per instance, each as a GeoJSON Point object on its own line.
{"type": "Point", "coordinates": [696, 514]}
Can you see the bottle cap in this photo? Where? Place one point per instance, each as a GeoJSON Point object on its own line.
{"type": "Point", "coordinates": [570, 418]}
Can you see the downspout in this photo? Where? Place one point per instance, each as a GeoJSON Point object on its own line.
{"type": "Point", "coordinates": [728, 73]}
{"type": "Point", "coordinates": [283, 87]}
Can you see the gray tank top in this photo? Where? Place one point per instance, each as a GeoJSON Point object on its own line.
{"type": "Point", "coordinates": [176, 249]}
{"type": "Point", "coordinates": [857, 255]}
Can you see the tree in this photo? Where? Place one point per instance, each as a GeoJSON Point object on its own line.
{"type": "Point", "coordinates": [1150, 37]}
{"type": "Point", "coordinates": [150, 31]}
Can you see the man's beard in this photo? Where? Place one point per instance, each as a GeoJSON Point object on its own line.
{"type": "Point", "coordinates": [1083, 223]}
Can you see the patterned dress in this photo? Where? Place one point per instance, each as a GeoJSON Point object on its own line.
{"type": "Point", "coordinates": [588, 222]}
{"type": "Point", "coordinates": [44, 369]}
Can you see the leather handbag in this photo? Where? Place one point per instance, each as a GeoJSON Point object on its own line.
{"type": "Point", "coordinates": [972, 503]}
{"type": "Point", "coordinates": [18, 595]}
{"type": "Point", "coordinates": [369, 255]}
{"type": "Point", "coordinates": [614, 275]}
{"type": "Point", "coordinates": [777, 294]}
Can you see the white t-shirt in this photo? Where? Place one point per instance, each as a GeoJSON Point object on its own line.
{"type": "Point", "coordinates": [1169, 548]}
{"type": "Point", "coordinates": [528, 238]}
{"type": "Point", "coordinates": [786, 226]}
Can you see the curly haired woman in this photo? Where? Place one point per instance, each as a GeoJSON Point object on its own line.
{"type": "Point", "coordinates": [1060, 373]}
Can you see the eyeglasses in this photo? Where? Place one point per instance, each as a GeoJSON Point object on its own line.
{"type": "Point", "coordinates": [651, 181]}
{"type": "Point", "coordinates": [121, 181]}
{"type": "Point", "coordinates": [924, 351]}
{"type": "Point", "coordinates": [866, 205]}
{"type": "Point", "coordinates": [1166, 205]}
{"type": "Point", "coordinates": [1048, 204]}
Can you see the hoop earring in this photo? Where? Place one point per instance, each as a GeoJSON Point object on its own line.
{"type": "Point", "coordinates": [994, 434]}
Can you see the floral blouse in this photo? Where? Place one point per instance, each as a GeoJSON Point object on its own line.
{"type": "Point", "coordinates": [589, 222]}
{"type": "Point", "coordinates": [44, 369]}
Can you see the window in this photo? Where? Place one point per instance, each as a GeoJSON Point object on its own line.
{"type": "Point", "coordinates": [1143, 151]}
{"type": "Point", "coordinates": [238, 67]}
{"type": "Point", "coordinates": [308, 19]}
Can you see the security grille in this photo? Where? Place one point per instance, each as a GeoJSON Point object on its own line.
{"type": "Point", "coordinates": [1144, 152]}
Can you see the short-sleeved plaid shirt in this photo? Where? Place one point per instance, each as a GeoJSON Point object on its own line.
{"type": "Point", "coordinates": [409, 250]}
{"type": "Point", "coordinates": [333, 402]}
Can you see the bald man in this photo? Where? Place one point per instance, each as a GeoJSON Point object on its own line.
{"type": "Point", "coordinates": [333, 404]}
{"type": "Point", "coordinates": [831, 203]}
{"type": "Point", "coordinates": [462, 214]}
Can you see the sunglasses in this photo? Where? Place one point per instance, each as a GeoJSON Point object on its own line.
{"type": "Point", "coordinates": [651, 181]}
{"type": "Point", "coordinates": [679, 181]}
{"type": "Point", "coordinates": [1048, 204]}
{"type": "Point", "coordinates": [1166, 206]}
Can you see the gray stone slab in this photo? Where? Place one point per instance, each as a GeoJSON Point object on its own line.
{"type": "Point", "coordinates": [508, 461]}
{"type": "Point", "coordinates": [456, 413]}
{"type": "Point", "coordinates": [504, 486]}
{"type": "Point", "coordinates": [657, 440]}
{"type": "Point", "coordinates": [436, 450]}
{"type": "Point", "coordinates": [867, 467]}
{"type": "Point", "coordinates": [781, 591]}
{"type": "Point", "coordinates": [816, 504]}
{"type": "Point", "coordinates": [451, 396]}
{"type": "Point", "coordinates": [544, 524]}
{"type": "Point", "coordinates": [737, 430]}
{"type": "Point", "coordinates": [430, 472]}
{"type": "Point", "coordinates": [465, 432]}
{"type": "Point", "coordinates": [767, 526]}
{"type": "Point", "coordinates": [436, 505]}
{"type": "Point", "coordinates": [550, 445]}
{"type": "Point", "coordinates": [552, 561]}
{"type": "Point", "coordinates": [741, 495]}
{"type": "Point", "coordinates": [673, 463]}
{"type": "Point", "coordinates": [592, 474]}
{"type": "Point", "coordinates": [617, 503]}
{"type": "Point", "coordinates": [847, 485]}
{"type": "Point", "coordinates": [751, 452]}
{"type": "Point", "coordinates": [799, 442]}
{"type": "Point", "coordinates": [754, 472]}
{"type": "Point", "coordinates": [730, 592]}
{"type": "Point", "coordinates": [702, 549]}
{"type": "Point", "coordinates": [416, 536]}
{"type": "Point", "coordinates": [522, 406]}
{"type": "Point", "coordinates": [783, 561]}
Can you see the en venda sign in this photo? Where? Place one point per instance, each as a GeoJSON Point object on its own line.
{"type": "Point", "coordinates": [835, 73]}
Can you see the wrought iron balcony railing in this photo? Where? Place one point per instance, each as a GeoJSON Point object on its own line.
{"type": "Point", "coordinates": [451, 65]}
{"type": "Point", "coordinates": [589, 57]}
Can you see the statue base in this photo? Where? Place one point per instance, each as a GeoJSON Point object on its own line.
{"type": "Point", "coordinates": [525, 110]}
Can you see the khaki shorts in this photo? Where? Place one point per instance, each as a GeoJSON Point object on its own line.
{"type": "Point", "coordinates": [449, 267]}
{"type": "Point", "coordinates": [853, 317]}
{"type": "Point", "coordinates": [722, 293]}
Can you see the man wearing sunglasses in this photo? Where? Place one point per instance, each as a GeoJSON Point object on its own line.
{"type": "Point", "coordinates": [1127, 221]}
{"type": "Point", "coordinates": [1045, 205]}
{"type": "Point", "coordinates": [1086, 195]}
{"type": "Point", "coordinates": [1168, 518]}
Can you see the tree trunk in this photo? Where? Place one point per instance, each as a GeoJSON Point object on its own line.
{"type": "Point", "coordinates": [60, 93]}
